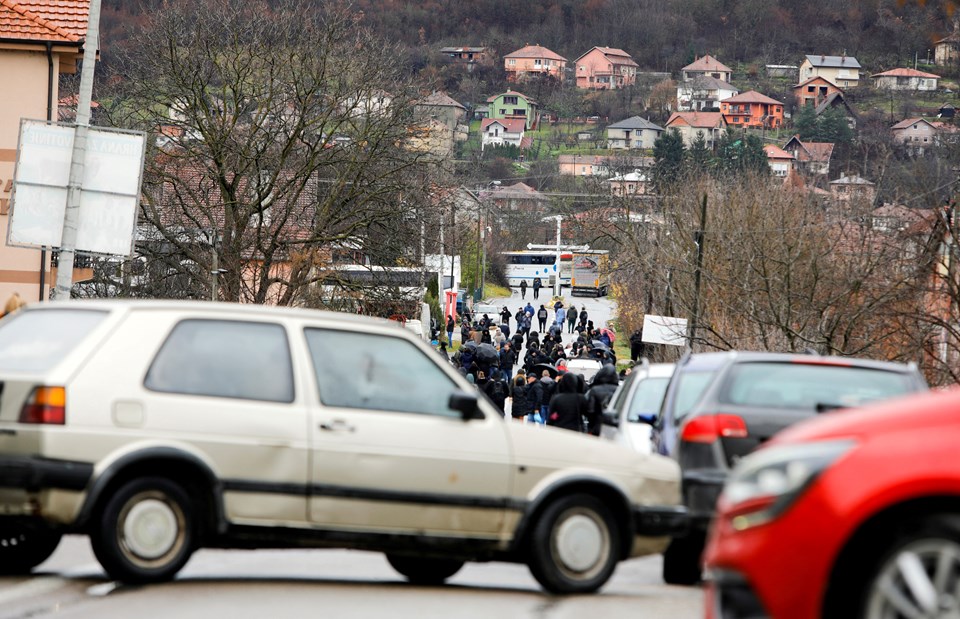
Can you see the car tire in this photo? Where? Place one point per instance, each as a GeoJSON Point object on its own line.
{"type": "Point", "coordinates": [919, 569]}
{"type": "Point", "coordinates": [424, 570]}
{"type": "Point", "coordinates": [146, 531]}
{"type": "Point", "coordinates": [682, 560]}
{"type": "Point", "coordinates": [25, 545]}
{"type": "Point", "coordinates": [574, 545]}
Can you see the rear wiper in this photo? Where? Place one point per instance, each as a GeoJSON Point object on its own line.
{"type": "Point", "coordinates": [823, 407]}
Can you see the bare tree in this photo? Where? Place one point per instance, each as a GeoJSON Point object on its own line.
{"type": "Point", "coordinates": [779, 271]}
{"type": "Point", "coordinates": [281, 131]}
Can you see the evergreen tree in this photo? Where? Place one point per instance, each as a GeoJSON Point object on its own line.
{"type": "Point", "coordinates": [699, 155]}
{"type": "Point", "coordinates": [754, 158]}
{"type": "Point", "coordinates": [728, 153]}
{"type": "Point", "coordinates": [805, 123]}
{"type": "Point", "coordinates": [669, 154]}
{"type": "Point", "coordinates": [832, 126]}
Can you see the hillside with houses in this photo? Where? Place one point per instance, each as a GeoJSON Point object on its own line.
{"type": "Point", "coordinates": [810, 145]}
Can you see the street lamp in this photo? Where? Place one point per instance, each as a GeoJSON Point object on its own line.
{"type": "Point", "coordinates": [556, 264]}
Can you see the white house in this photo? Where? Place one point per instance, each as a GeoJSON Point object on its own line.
{"type": "Point", "coordinates": [703, 93]}
{"type": "Point", "coordinates": [844, 71]}
{"type": "Point", "coordinates": [634, 132]}
{"type": "Point", "coordinates": [633, 184]}
{"type": "Point", "coordinates": [905, 79]}
{"type": "Point", "coordinates": [499, 131]}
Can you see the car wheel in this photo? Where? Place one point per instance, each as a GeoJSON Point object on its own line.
{"type": "Point", "coordinates": [681, 560]}
{"type": "Point", "coordinates": [25, 545]}
{"type": "Point", "coordinates": [919, 575]}
{"type": "Point", "coordinates": [146, 531]}
{"type": "Point", "coordinates": [574, 546]}
{"type": "Point", "coordinates": [423, 570]}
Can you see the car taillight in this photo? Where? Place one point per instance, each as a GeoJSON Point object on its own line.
{"type": "Point", "coordinates": [709, 428]}
{"type": "Point", "coordinates": [45, 405]}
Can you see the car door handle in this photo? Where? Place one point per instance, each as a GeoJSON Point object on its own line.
{"type": "Point", "coordinates": [337, 425]}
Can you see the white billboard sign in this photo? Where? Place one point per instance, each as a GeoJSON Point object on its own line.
{"type": "Point", "coordinates": [665, 330]}
{"type": "Point", "coordinates": [110, 190]}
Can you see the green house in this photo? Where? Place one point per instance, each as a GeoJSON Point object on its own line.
{"type": "Point", "coordinates": [512, 104]}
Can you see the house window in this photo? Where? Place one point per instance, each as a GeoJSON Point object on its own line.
{"type": "Point", "coordinates": [537, 62]}
{"type": "Point", "coordinates": [509, 100]}
{"type": "Point", "coordinates": [511, 61]}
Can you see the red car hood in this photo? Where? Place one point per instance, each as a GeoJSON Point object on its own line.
{"type": "Point", "coordinates": [927, 409]}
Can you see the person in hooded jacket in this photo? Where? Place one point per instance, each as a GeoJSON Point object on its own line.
{"type": "Point", "coordinates": [549, 389]}
{"type": "Point", "coordinates": [520, 405]}
{"type": "Point", "coordinates": [466, 358]}
{"type": "Point", "coordinates": [517, 341]}
{"type": "Point", "coordinates": [605, 382]}
{"type": "Point", "coordinates": [534, 398]}
{"type": "Point", "coordinates": [505, 315]}
{"type": "Point", "coordinates": [497, 389]}
{"type": "Point", "coordinates": [449, 328]}
{"type": "Point", "coordinates": [568, 406]}
{"type": "Point", "coordinates": [542, 316]}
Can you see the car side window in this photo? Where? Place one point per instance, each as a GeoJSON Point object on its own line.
{"type": "Point", "coordinates": [690, 386]}
{"type": "Point", "coordinates": [366, 371]}
{"type": "Point", "coordinates": [224, 358]}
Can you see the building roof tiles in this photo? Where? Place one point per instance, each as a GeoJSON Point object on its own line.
{"type": "Point", "coordinates": [59, 21]}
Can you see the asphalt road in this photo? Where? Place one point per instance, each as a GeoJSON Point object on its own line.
{"type": "Point", "coordinates": [328, 583]}
{"type": "Point", "coordinates": [599, 309]}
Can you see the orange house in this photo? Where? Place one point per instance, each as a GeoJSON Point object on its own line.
{"type": "Point", "coordinates": [814, 91]}
{"type": "Point", "coordinates": [752, 109]}
{"type": "Point", "coordinates": [533, 61]}
{"type": "Point", "coordinates": [39, 40]}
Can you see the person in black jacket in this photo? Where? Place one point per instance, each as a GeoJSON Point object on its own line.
{"type": "Point", "coordinates": [520, 406]}
{"type": "Point", "coordinates": [497, 389]}
{"type": "Point", "coordinates": [542, 316]}
{"type": "Point", "coordinates": [534, 398]}
{"type": "Point", "coordinates": [508, 359]}
{"type": "Point", "coordinates": [568, 407]}
{"type": "Point", "coordinates": [637, 347]}
{"type": "Point", "coordinates": [605, 382]}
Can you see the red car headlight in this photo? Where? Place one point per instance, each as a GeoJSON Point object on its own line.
{"type": "Point", "coordinates": [764, 484]}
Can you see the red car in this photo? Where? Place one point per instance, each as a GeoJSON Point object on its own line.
{"type": "Point", "coordinates": [853, 514]}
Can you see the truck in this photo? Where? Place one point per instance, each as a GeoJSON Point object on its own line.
{"type": "Point", "coordinates": [590, 273]}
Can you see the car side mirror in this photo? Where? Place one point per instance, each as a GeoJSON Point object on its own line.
{"type": "Point", "coordinates": [611, 418]}
{"type": "Point", "coordinates": [467, 404]}
{"type": "Point", "coordinates": [647, 418]}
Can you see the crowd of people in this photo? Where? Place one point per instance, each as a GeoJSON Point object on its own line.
{"type": "Point", "coordinates": [542, 391]}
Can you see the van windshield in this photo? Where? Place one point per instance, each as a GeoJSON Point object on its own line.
{"type": "Point", "coordinates": [34, 341]}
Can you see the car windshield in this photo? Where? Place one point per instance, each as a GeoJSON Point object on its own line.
{"type": "Point", "coordinates": [647, 398]}
{"type": "Point", "coordinates": [34, 341]}
{"type": "Point", "coordinates": [810, 387]}
{"type": "Point", "coordinates": [690, 386]}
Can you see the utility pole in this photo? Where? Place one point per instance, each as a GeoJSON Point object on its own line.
{"type": "Point", "coordinates": [556, 265]}
{"type": "Point", "coordinates": [71, 216]}
{"type": "Point", "coordinates": [699, 238]}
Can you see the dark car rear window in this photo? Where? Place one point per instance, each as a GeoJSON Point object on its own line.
{"type": "Point", "coordinates": [810, 387]}
{"type": "Point", "coordinates": [34, 341]}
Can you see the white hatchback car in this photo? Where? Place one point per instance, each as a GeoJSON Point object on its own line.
{"type": "Point", "coordinates": [159, 427]}
{"type": "Point", "coordinates": [634, 406]}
